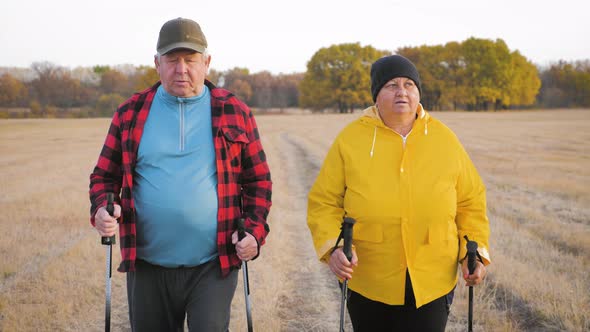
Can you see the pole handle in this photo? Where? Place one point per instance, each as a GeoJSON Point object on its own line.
{"type": "Point", "coordinates": [471, 254]}
{"type": "Point", "coordinates": [241, 229]}
{"type": "Point", "coordinates": [347, 225]}
{"type": "Point", "coordinates": [109, 240]}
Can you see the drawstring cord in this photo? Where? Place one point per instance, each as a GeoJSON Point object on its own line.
{"type": "Point", "coordinates": [425, 122]}
{"type": "Point", "coordinates": [374, 137]}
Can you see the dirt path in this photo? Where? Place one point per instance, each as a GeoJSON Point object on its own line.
{"type": "Point", "coordinates": [313, 303]}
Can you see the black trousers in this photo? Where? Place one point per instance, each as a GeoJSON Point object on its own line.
{"type": "Point", "coordinates": [160, 298]}
{"type": "Point", "coordinates": [368, 315]}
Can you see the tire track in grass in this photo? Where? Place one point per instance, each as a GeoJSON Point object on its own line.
{"type": "Point", "coordinates": [519, 310]}
{"type": "Point", "coordinates": [540, 213]}
{"type": "Point", "coordinates": [38, 262]}
{"type": "Point", "coordinates": [528, 305]}
{"type": "Point", "coordinates": [537, 218]}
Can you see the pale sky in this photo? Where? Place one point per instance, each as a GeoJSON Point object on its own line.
{"type": "Point", "coordinates": [282, 36]}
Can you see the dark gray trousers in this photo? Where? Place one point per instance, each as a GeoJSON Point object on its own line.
{"type": "Point", "coordinates": [160, 298]}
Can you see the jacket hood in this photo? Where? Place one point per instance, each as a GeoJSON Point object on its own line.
{"type": "Point", "coordinates": [371, 117]}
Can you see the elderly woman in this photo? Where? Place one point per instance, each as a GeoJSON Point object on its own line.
{"type": "Point", "coordinates": [414, 193]}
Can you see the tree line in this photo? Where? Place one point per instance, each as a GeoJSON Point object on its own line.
{"type": "Point", "coordinates": [476, 74]}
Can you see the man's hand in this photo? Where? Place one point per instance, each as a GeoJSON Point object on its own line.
{"type": "Point", "coordinates": [477, 276]}
{"type": "Point", "coordinates": [340, 265]}
{"type": "Point", "coordinates": [247, 248]}
{"type": "Point", "coordinates": [105, 224]}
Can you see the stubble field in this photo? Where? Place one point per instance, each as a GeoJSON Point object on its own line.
{"type": "Point", "coordinates": [535, 164]}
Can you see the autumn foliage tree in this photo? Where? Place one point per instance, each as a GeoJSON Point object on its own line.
{"type": "Point", "coordinates": [566, 84]}
{"type": "Point", "coordinates": [13, 92]}
{"type": "Point", "coordinates": [236, 80]}
{"type": "Point", "coordinates": [260, 90]}
{"type": "Point", "coordinates": [54, 88]}
{"type": "Point", "coordinates": [477, 74]}
{"type": "Point", "coordinates": [338, 77]}
{"type": "Point", "coordinates": [145, 76]}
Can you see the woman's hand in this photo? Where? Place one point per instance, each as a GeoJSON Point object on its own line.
{"type": "Point", "coordinates": [478, 275]}
{"type": "Point", "coordinates": [340, 265]}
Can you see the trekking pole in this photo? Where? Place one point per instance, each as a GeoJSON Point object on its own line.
{"type": "Point", "coordinates": [471, 253]}
{"type": "Point", "coordinates": [108, 241]}
{"type": "Point", "coordinates": [241, 235]}
{"type": "Point", "coordinates": [347, 237]}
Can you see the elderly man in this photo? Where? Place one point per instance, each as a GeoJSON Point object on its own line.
{"type": "Point", "coordinates": [185, 158]}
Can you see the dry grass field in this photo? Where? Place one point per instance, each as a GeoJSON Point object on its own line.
{"type": "Point", "coordinates": [536, 166]}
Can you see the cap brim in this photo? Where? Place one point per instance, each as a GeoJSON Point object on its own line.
{"type": "Point", "coordinates": [188, 46]}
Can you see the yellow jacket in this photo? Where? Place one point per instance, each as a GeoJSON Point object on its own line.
{"type": "Point", "coordinates": [412, 204]}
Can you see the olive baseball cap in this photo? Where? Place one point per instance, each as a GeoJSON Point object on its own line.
{"type": "Point", "coordinates": [181, 33]}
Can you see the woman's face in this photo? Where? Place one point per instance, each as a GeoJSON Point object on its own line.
{"type": "Point", "coordinates": [399, 95]}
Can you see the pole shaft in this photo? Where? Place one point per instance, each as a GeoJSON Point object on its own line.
{"type": "Point", "coordinates": [241, 235]}
{"type": "Point", "coordinates": [470, 326]}
{"type": "Point", "coordinates": [471, 253]}
{"type": "Point", "coordinates": [347, 225]}
{"type": "Point", "coordinates": [107, 319]}
{"type": "Point", "coordinates": [343, 305]}
{"type": "Point", "coordinates": [247, 296]}
{"type": "Point", "coordinates": [108, 241]}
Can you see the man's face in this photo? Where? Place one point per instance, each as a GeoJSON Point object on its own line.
{"type": "Point", "coordinates": [183, 72]}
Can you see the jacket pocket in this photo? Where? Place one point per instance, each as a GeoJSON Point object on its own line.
{"type": "Point", "coordinates": [368, 232]}
{"type": "Point", "coordinates": [442, 247]}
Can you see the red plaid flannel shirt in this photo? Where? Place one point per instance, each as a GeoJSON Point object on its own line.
{"type": "Point", "coordinates": [243, 175]}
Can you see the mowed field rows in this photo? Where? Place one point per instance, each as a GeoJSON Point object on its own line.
{"type": "Point", "coordinates": [536, 166]}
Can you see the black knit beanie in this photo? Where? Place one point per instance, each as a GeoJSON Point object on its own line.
{"type": "Point", "coordinates": [389, 67]}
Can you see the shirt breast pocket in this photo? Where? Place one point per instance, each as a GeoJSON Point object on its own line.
{"type": "Point", "coordinates": [235, 139]}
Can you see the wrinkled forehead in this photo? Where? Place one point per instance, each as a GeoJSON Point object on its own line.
{"type": "Point", "coordinates": [400, 79]}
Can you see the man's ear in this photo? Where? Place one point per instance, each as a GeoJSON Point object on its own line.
{"type": "Point", "coordinates": [156, 62]}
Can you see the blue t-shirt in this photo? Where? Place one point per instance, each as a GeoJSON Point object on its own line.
{"type": "Point", "coordinates": [175, 183]}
